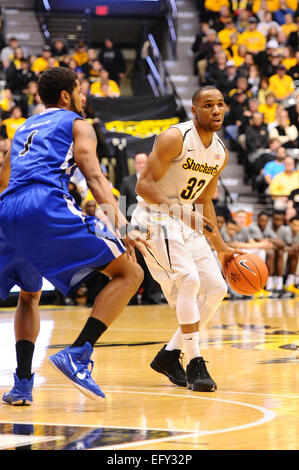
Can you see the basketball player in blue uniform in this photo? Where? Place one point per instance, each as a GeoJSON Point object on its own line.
{"type": "Point", "coordinates": [43, 233]}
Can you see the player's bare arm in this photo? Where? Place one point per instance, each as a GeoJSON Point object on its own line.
{"type": "Point", "coordinates": [167, 148]}
{"type": "Point", "coordinates": [224, 252]}
{"type": "Point", "coordinates": [85, 145]}
{"type": "Point", "coordinates": [5, 172]}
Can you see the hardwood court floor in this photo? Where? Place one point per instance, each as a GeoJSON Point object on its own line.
{"type": "Point", "coordinates": [253, 352]}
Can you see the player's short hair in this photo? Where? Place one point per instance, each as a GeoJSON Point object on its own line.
{"type": "Point", "coordinates": [233, 222]}
{"type": "Point", "coordinates": [198, 93]}
{"type": "Point", "coordinates": [51, 83]}
{"type": "Point", "coordinates": [296, 217]}
{"type": "Point", "coordinates": [262, 213]}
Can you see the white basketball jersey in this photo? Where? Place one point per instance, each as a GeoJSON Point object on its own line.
{"type": "Point", "coordinates": [190, 173]}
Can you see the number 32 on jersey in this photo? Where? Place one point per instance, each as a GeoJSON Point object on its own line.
{"type": "Point", "coordinates": [193, 188]}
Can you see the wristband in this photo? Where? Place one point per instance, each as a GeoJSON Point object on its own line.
{"type": "Point", "coordinates": [208, 228]}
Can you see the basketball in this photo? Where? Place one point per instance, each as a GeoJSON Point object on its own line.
{"type": "Point", "coordinates": [247, 274]}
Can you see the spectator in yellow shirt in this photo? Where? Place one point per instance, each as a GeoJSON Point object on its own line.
{"type": "Point", "coordinates": [284, 183]}
{"type": "Point", "coordinates": [41, 64]}
{"type": "Point", "coordinates": [14, 122]}
{"type": "Point", "coordinates": [103, 87]}
{"type": "Point", "coordinates": [289, 26]}
{"type": "Point", "coordinates": [225, 34]}
{"type": "Point", "coordinates": [281, 84]}
{"type": "Point", "coordinates": [253, 39]}
{"type": "Point", "coordinates": [80, 55]}
{"type": "Point", "coordinates": [269, 108]}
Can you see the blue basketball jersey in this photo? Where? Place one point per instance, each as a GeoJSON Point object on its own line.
{"type": "Point", "coordinates": [42, 151]}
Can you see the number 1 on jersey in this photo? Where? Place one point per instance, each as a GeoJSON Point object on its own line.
{"type": "Point", "coordinates": [28, 143]}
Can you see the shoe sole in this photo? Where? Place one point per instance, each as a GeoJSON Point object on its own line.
{"type": "Point", "coordinates": [18, 403]}
{"type": "Point", "coordinates": [170, 377]}
{"type": "Point", "coordinates": [202, 388]}
{"type": "Point", "coordinates": [83, 390]}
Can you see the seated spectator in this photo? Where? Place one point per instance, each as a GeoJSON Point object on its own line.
{"type": "Point", "coordinates": [271, 168]}
{"type": "Point", "coordinates": [294, 70]}
{"type": "Point", "coordinates": [238, 237]}
{"type": "Point", "coordinates": [253, 80]}
{"type": "Point", "coordinates": [288, 58]}
{"type": "Point", "coordinates": [18, 79]}
{"type": "Point", "coordinates": [112, 60]}
{"type": "Point", "coordinates": [253, 39]}
{"type": "Point", "coordinates": [268, 22]}
{"type": "Point", "coordinates": [256, 134]}
{"type": "Point", "coordinates": [75, 193]}
{"type": "Point", "coordinates": [283, 183]}
{"type": "Point", "coordinates": [59, 49]}
{"type": "Point", "coordinates": [14, 122]}
{"type": "Point", "coordinates": [41, 64]}
{"type": "Point", "coordinates": [215, 69]}
{"type": "Point", "coordinates": [204, 54]}
{"type": "Point", "coordinates": [292, 251]}
{"type": "Point", "coordinates": [220, 206]}
{"type": "Point", "coordinates": [261, 231]}
{"type": "Point", "coordinates": [95, 70]}
{"type": "Point", "coordinates": [6, 102]}
{"type": "Point", "coordinates": [227, 81]}
{"type": "Point", "coordinates": [281, 84]}
{"type": "Point", "coordinates": [241, 86]}
{"type": "Point", "coordinates": [293, 201]}
{"type": "Point", "coordinates": [289, 26]}
{"type": "Point", "coordinates": [224, 16]}
{"type": "Point", "coordinates": [277, 224]}
{"type": "Point", "coordinates": [212, 8]}
{"type": "Point", "coordinates": [225, 34]}
{"type": "Point", "coordinates": [80, 54]}
{"type": "Point", "coordinates": [282, 10]}
{"type": "Point", "coordinates": [293, 39]}
{"type": "Point", "coordinates": [284, 131]}
{"type": "Point", "coordinates": [8, 51]}
{"type": "Point", "coordinates": [243, 69]}
{"type": "Point", "coordinates": [269, 109]}
{"type": "Point", "coordinates": [263, 90]}
{"type": "Point", "coordinates": [236, 52]}
{"type": "Point", "coordinates": [235, 117]}
{"type": "Point", "coordinates": [104, 86]}
{"type": "Point", "coordinates": [242, 19]}
{"type": "Point", "coordinates": [91, 64]}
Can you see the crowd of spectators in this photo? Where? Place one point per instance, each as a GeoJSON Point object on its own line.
{"type": "Point", "coordinates": [99, 71]}
{"type": "Point", "coordinates": [250, 51]}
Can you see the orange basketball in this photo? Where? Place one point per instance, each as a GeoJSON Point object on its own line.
{"type": "Point", "coordinates": [247, 274]}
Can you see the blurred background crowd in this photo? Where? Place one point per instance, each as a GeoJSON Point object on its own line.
{"type": "Point", "coordinates": [248, 50]}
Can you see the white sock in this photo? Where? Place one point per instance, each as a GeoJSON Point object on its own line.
{"type": "Point", "coordinates": [290, 280]}
{"type": "Point", "coordinates": [270, 283]}
{"type": "Point", "coordinates": [176, 341]}
{"type": "Point", "coordinates": [279, 283]}
{"type": "Point", "coordinates": [191, 345]}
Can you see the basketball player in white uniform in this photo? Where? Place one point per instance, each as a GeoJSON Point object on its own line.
{"type": "Point", "coordinates": [178, 183]}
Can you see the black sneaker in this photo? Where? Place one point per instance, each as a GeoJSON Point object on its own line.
{"type": "Point", "coordinates": [198, 377]}
{"type": "Point", "coordinates": [168, 363]}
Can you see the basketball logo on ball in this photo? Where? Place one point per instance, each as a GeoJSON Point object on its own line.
{"type": "Point", "coordinates": [247, 274]}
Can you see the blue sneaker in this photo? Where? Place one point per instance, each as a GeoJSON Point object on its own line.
{"type": "Point", "coordinates": [21, 393]}
{"type": "Point", "coordinates": [73, 363]}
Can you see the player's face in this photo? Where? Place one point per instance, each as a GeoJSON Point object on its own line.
{"type": "Point", "coordinates": [209, 110]}
{"type": "Point", "coordinates": [77, 99]}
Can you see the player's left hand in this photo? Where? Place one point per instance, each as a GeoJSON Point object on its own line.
{"type": "Point", "coordinates": [134, 238]}
{"type": "Point", "coordinates": [225, 256]}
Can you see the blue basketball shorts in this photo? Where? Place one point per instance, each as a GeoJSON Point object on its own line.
{"type": "Point", "coordinates": [43, 233]}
